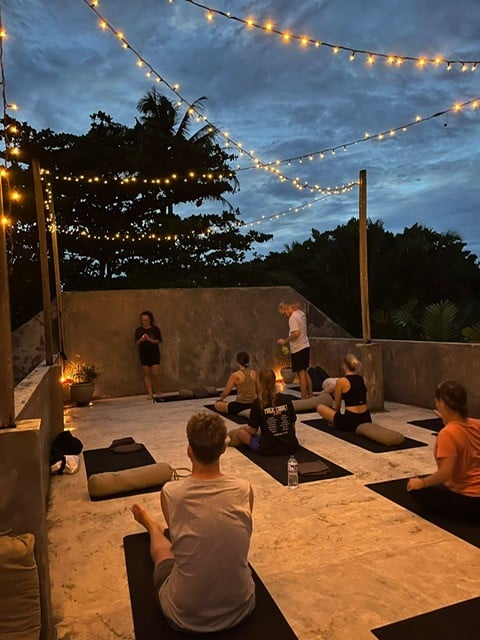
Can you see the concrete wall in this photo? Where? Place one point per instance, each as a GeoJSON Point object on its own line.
{"type": "Point", "coordinates": [412, 370]}
{"type": "Point", "coordinates": [202, 331]}
{"type": "Point", "coordinates": [28, 344]}
{"type": "Point", "coordinates": [25, 473]}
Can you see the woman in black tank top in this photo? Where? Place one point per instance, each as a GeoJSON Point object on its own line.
{"type": "Point", "coordinates": [352, 390]}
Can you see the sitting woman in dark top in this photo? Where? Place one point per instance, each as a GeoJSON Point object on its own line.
{"type": "Point", "coordinates": [454, 488]}
{"type": "Point", "coordinates": [245, 381]}
{"type": "Point", "coordinates": [271, 426]}
{"type": "Point", "coordinates": [352, 390]}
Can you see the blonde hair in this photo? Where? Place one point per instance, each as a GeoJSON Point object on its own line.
{"type": "Point", "coordinates": [352, 362]}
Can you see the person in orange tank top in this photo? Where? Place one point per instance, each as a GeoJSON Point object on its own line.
{"type": "Point", "coordinates": [454, 488]}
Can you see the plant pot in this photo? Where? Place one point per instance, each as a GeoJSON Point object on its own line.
{"type": "Point", "coordinates": [82, 392]}
{"type": "Point", "coordinates": [288, 376]}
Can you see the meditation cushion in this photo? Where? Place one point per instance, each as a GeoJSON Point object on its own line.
{"type": "Point", "coordinates": [19, 589]}
{"type": "Point", "coordinates": [329, 383]}
{"type": "Point", "coordinates": [245, 413]}
{"type": "Point", "coordinates": [308, 404]}
{"type": "Point", "coordinates": [380, 434]}
{"type": "Point", "coordinates": [111, 483]}
{"type": "Point", "coordinates": [198, 392]}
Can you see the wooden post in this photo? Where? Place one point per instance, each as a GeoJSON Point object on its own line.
{"type": "Point", "coordinates": [42, 240]}
{"type": "Point", "coordinates": [362, 231]}
{"type": "Point", "coordinates": [7, 403]}
{"type": "Point", "coordinates": [56, 269]}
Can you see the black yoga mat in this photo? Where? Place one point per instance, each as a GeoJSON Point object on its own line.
{"type": "Point", "coordinates": [432, 424]}
{"type": "Point", "coordinates": [396, 491]}
{"type": "Point", "coordinates": [266, 621]}
{"type": "Point", "coordinates": [236, 419]}
{"type": "Point", "coordinates": [361, 441]}
{"type": "Point", "coordinates": [457, 621]}
{"type": "Point", "coordinates": [276, 466]}
{"type": "Point", "coordinates": [103, 460]}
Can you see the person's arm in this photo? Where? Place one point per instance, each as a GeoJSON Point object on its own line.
{"type": "Point", "coordinates": [441, 475]}
{"type": "Point", "coordinates": [293, 336]}
{"type": "Point", "coordinates": [231, 382]}
{"type": "Point", "coordinates": [339, 389]}
{"type": "Point", "coordinates": [158, 337]}
{"type": "Point", "coordinates": [139, 336]}
{"type": "Point", "coordinates": [163, 503]}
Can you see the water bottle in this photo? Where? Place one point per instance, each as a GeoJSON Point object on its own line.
{"type": "Point", "coordinates": [292, 472]}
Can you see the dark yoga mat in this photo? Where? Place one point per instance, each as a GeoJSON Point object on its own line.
{"type": "Point", "coordinates": [361, 441]}
{"type": "Point", "coordinates": [396, 491]}
{"type": "Point", "coordinates": [236, 419]}
{"type": "Point", "coordinates": [432, 424]}
{"type": "Point", "coordinates": [103, 460]}
{"type": "Point", "coordinates": [276, 466]}
{"type": "Point", "coordinates": [266, 621]}
{"type": "Point", "coordinates": [455, 622]}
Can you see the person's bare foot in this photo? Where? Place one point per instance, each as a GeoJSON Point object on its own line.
{"type": "Point", "coordinates": [142, 516]}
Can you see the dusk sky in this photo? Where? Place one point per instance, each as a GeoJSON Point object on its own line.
{"type": "Point", "coordinates": [280, 99]}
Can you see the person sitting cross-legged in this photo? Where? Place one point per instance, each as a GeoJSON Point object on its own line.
{"type": "Point", "coordinates": [202, 579]}
{"type": "Point", "coordinates": [271, 425]}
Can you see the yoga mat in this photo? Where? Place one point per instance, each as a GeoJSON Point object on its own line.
{"type": "Point", "coordinates": [361, 441]}
{"type": "Point", "coordinates": [396, 491]}
{"type": "Point", "coordinates": [266, 621]}
{"type": "Point", "coordinates": [433, 424]}
{"type": "Point", "coordinates": [237, 419]}
{"type": "Point", "coordinates": [457, 621]}
{"type": "Point", "coordinates": [276, 466]}
{"type": "Point", "coordinates": [102, 460]}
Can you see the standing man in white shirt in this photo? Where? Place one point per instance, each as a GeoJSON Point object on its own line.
{"type": "Point", "coordinates": [299, 345]}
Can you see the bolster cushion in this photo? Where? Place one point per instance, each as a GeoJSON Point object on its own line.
{"type": "Point", "coordinates": [310, 404]}
{"type": "Point", "coordinates": [19, 589]}
{"type": "Point", "coordinates": [110, 483]}
{"type": "Point", "coordinates": [198, 392]}
{"type": "Point", "coordinates": [380, 434]}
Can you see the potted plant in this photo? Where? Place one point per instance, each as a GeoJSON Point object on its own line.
{"type": "Point", "coordinates": [82, 386]}
{"type": "Point", "coordinates": [283, 359]}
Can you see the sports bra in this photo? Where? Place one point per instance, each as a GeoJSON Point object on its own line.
{"type": "Point", "coordinates": [357, 394]}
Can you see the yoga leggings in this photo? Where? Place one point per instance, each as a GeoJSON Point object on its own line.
{"type": "Point", "coordinates": [454, 505]}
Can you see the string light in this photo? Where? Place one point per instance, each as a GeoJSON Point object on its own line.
{"type": "Point", "coordinates": [129, 180]}
{"type": "Point", "coordinates": [474, 103]}
{"type": "Point", "coordinates": [229, 142]}
{"type": "Point", "coordinates": [391, 59]}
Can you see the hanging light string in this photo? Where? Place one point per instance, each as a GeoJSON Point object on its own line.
{"type": "Point", "coordinates": [392, 60]}
{"type": "Point", "coordinates": [282, 214]}
{"type": "Point", "coordinates": [192, 109]}
{"type": "Point", "coordinates": [132, 180]}
{"type": "Point", "coordinates": [158, 237]}
{"type": "Point", "coordinates": [474, 103]}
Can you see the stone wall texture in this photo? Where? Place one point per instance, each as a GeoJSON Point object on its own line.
{"type": "Point", "coordinates": [202, 330]}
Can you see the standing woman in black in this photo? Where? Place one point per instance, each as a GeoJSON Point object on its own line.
{"type": "Point", "coordinates": [147, 339]}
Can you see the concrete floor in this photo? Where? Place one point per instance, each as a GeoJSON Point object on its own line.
{"type": "Point", "coordinates": [338, 559]}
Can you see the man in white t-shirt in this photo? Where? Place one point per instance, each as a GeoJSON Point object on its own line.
{"type": "Point", "coordinates": [299, 345]}
{"type": "Point", "coordinates": [202, 579]}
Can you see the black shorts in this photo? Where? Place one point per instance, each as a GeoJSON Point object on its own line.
{"type": "Point", "coordinates": [349, 421]}
{"type": "Point", "coordinates": [150, 357]}
{"type": "Point", "coordinates": [235, 407]}
{"type": "Point", "coordinates": [300, 360]}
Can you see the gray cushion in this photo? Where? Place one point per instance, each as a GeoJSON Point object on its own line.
{"type": "Point", "coordinates": [101, 485]}
{"type": "Point", "coordinates": [19, 589]}
{"type": "Point", "coordinates": [380, 434]}
{"type": "Point", "coordinates": [310, 404]}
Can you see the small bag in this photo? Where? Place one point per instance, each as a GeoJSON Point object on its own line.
{"type": "Point", "coordinates": [125, 445]}
{"type": "Point", "coordinates": [316, 468]}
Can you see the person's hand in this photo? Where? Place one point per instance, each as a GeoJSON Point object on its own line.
{"type": "Point", "coordinates": [281, 341]}
{"type": "Point", "coordinates": [415, 483]}
{"type": "Point", "coordinates": [145, 337]}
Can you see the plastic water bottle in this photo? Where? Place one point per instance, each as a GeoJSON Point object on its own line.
{"type": "Point", "coordinates": [292, 472]}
